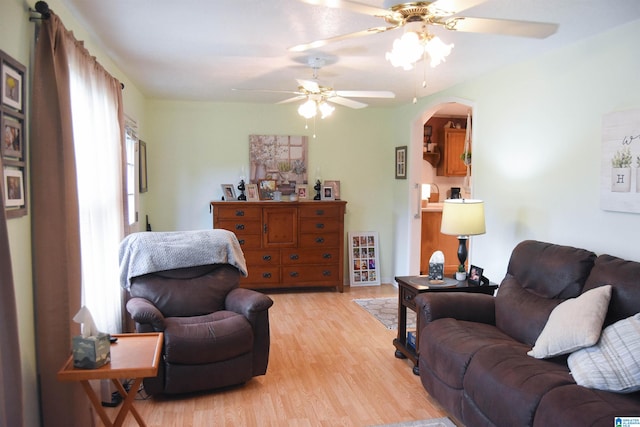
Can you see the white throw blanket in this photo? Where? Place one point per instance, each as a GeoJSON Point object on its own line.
{"type": "Point", "coordinates": [150, 252]}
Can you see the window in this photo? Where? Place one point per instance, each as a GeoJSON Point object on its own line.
{"type": "Point", "coordinates": [131, 142]}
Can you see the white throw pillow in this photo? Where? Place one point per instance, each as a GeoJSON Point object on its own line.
{"type": "Point", "coordinates": [614, 363]}
{"type": "Point", "coordinates": [575, 323]}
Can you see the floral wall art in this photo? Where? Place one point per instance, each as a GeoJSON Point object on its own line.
{"type": "Point", "coordinates": [620, 177]}
{"type": "Point", "coordinates": [282, 158]}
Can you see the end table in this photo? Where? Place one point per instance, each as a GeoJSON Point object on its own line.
{"type": "Point", "coordinates": [411, 286]}
{"type": "Point", "coordinates": [132, 356]}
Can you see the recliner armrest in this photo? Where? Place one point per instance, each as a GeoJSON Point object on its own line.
{"type": "Point", "coordinates": [247, 302]}
{"type": "Point", "coordinates": [143, 312]}
{"type": "Point", "coordinates": [458, 305]}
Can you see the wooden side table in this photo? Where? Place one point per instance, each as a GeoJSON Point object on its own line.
{"type": "Point", "coordinates": [411, 286]}
{"type": "Point", "coordinates": [135, 356]}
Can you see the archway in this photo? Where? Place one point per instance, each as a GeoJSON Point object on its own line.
{"type": "Point", "coordinates": [449, 106]}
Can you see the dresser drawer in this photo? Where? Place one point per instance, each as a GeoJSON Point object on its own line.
{"type": "Point", "coordinates": [309, 274]}
{"type": "Point", "coordinates": [231, 212]}
{"type": "Point", "coordinates": [262, 257]}
{"type": "Point", "coordinates": [240, 226]}
{"type": "Point", "coordinates": [322, 211]}
{"type": "Point", "coordinates": [319, 225]}
{"type": "Point", "coordinates": [310, 256]}
{"type": "Point", "coordinates": [249, 241]}
{"type": "Point", "coordinates": [328, 240]}
{"type": "Point", "coordinates": [259, 274]}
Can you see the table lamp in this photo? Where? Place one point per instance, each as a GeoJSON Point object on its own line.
{"type": "Point", "coordinates": [462, 218]}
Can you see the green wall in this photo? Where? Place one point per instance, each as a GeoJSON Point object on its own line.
{"type": "Point", "coordinates": [192, 148]}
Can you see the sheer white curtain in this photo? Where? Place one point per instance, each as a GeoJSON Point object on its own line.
{"type": "Point", "coordinates": [97, 134]}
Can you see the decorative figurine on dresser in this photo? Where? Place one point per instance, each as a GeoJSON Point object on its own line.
{"type": "Point", "coordinates": [291, 244]}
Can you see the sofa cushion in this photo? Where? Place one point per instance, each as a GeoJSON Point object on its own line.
{"type": "Point", "coordinates": [207, 339]}
{"type": "Point", "coordinates": [539, 277]}
{"type": "Point", "coordinates": [624, 277]}
{"type": "Point", "coordinates": [574, 324]}
{"type": "Point", "coordinates": [447, 345]}
{"type": "Point", "coordinates": [505, 386]}
{"type": "Point", "coordinates": [614, 363]}
{"type": "Point", "coordinates": [573, 405]}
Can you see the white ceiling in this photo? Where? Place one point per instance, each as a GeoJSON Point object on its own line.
{"type": "Point", "coordinates": [201, 49]}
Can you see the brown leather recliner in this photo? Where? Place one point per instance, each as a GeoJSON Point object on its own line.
{"type": "Point", "coordinates": [215, 333]}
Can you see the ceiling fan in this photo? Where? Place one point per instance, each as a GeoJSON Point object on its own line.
{"type": "Point", "coordinates": [318, 97]}
{"type": "Point", "coordinates": [427, 13]}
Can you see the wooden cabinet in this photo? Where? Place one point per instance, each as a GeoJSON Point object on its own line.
{"type": "Point", "coordinates": [287, 244]}
{"type": "Point", "coordinates": [453, 147]}
{"type": "Point", "coordinates": [433, 240]}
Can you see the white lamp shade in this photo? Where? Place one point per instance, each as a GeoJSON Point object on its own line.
{"type": "Point", "coordinates": [463, 217]}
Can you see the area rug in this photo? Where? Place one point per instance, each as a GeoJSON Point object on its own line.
{"type": "Point", "coordinates": [435, 422]}
{"type": "Point", "coordinates": [386, 311]}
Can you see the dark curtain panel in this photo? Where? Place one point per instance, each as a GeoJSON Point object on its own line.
{"type": "Point", "coordinates": [10, 371]}
{"type": "Point", "coordinates": [55, 228]}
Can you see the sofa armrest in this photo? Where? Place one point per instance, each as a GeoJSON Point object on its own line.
{"type": "Point", "coordinates": [145, 313]}
{"type": "Point", "coordinates": [247, 302]}
{"type": "Point", "coordinates": [458, 305]}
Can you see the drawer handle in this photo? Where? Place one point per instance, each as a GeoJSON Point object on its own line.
{"type": "Point", "coordinates": [319, 239]}
{"type": "Point", "coordinates": [408, 297]}
{"type": "Point", "coordinates": [294, 256]}
{"type": "Point", "coordinates": [294, 274]}
{"type": "Point", "coordinates": [266, 275]}
{"type": "Point", "coordinates": [326, 273]}
{"type": "Point", "coordinates": [239, 213]}
{"type": "Point", "coordinates": [320, 212]}
{"type": "Point", "coordinates": [239, 226]}
{"type": "Point", "coordinates": [266, 257]}
{"type": "Point", "coordinates": [326, 256]}
{"type": "Point", "coordinates": [241, 241]}
{"type": "Point", "coordinates": [320, 225]}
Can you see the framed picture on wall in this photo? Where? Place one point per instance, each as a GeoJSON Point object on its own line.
{"type": "Point", "coordinates": [13, 187]}
{"type": "Point", "coordinates": [12, 137]}
{"type": "Point", "coordinates": [143, 166]}
{"type": "Point", "coordinates": [364, 259]}
{"type": "Point", "coordinates": [12, 75]}
{"type": "Point", "coordinates": [401, 162]}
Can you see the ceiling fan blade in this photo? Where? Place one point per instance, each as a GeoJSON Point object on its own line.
{"type": "Point", "coordinates": [347, 102]}
{"type": "Point", "coordinates": [451, 7]}
{"type": "Point", "coordinates": [320, 43]}
{"type": "Point", "coordinates": [309, 85]}
{"type": "Point", "coordinates": [267, 90]}
{"type": "Point", "coordinates": [366, 93]}
{"type": "Point", "coordinates": [352, 6]}
{"type": "Point", "coordinates": [538, 30]}
{"type": "Point", "coordinates": [294, 99]}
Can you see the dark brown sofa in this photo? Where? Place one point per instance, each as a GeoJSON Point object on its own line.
{"type": "Point", "coordinates": [215, 333]}
{"type": "Point", "coordinates": [473, 347]}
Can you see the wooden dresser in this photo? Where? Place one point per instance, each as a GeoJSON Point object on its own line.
{"type": "Point", "coordinates": [287, 244]}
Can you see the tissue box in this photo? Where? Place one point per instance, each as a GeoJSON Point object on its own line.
{"type": "Point", "coordinates": [91, 352]}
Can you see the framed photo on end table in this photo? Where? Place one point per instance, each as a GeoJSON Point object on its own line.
{"type": "Point", "coordinates": [475, 275]}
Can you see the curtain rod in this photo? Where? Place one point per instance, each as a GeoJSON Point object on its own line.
{"type": "Point", "coordinates": [43, 9]}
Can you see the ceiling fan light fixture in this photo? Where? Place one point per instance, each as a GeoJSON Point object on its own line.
{"type": "Point", "coordinates": [437, 50]}
{"type": "Point", "coordinates": [406, 51]}
{"type": "Point", "coordinates": [325, 109]}
{"type": "Point", "coordinates": [308, 109]}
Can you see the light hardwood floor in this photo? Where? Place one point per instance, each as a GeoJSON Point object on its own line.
{"type": "Point", "coordinates": [331, 364]}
